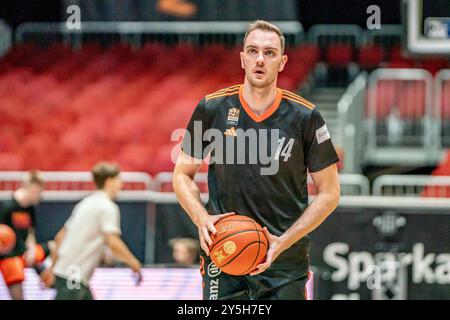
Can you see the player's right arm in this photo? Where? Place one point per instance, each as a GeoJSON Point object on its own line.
{"type": "Point", "coordinates": [189, 161]}
{"type": "Point", "coordinates": [121, 252]}
{"type": "Point", "coordinates": [55, 247]}
{"type": "Point", "coordinates": [188, 195]}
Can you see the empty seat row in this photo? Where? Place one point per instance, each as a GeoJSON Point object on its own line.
{"type": "Point", "coordinates": [65, 109]}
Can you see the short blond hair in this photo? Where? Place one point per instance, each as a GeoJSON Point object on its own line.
{"type": "Point", "coordinates": [265, 26]}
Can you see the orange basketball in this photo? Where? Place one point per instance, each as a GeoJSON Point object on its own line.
{"type": "Point", "coordinates": [7, 239]}
{"type": "Point", "coordinates": [239, 245]}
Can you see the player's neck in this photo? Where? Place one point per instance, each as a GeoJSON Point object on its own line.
{"type": "Point", "coordinates": [259, 99]}
{"type": "Point", "coordinates": [109, 193]}
{"type": "Point", "coordinates": [21, 198]}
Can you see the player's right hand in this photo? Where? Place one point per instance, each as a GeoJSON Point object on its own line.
{"type": "Point", "coordinates": [137, 278]}
{"type": "Point", "coordinates": [206, 226]}
{"type": "Point", "coordinates": [48, 278]}
{"type": "Point", "coordinates": [136, 266]}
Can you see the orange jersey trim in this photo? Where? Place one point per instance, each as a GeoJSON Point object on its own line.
{"type": "Point", "coordinates": [226, 89]}
{"type": "Point", "coordinates": [223, 92]}
{"type": "Point", "coordinates": [223, 95]}
{"type": "Point", "coordinates": [267, 113]}
{"type": "Point", "coordinates": [293, 97]}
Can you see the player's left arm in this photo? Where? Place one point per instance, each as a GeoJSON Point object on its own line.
{"type": "Point", "coordinates": [326, 200]}
{"type": "Point", "coordinates": [30, 244]}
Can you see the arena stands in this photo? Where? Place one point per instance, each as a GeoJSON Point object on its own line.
{"type": "Point", "coordinates": [111, 103]}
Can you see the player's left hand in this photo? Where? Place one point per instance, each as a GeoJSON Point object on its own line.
{"type": "Point", "coordinates": [275, 249]}
{"type": "Point", "coordinates": [30, 254]}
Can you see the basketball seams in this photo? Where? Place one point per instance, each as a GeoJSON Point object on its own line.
{"type": "Point", "coordinates": [257, 253]}
{"type": "Point", "coordinates": [235, 233]}
{"type": "Point", "coordinates": [254, 242]}
{"type": "Point", "coordinates": [239, 253]}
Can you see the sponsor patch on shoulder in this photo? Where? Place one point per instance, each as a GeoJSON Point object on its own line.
{"type": "Point", "coordinates": [233, 116]}
{"type": "Point", "coordinates": [322, 134]}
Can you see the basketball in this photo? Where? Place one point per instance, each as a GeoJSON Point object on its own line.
{"type": "Point", "coordinates": [7, 239]}
{"type": "Point", "coordinates": [239, 245]}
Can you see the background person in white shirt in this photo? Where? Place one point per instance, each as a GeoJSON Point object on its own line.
{"type": "Point", "coordinates": [94, 224]}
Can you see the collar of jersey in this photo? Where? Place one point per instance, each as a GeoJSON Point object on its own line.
{"type": "Point", "coordinates": [269, 111]}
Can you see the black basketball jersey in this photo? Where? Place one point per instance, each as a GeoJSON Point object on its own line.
{"type": "Point", "coordinates": [275, 197]}
{"type": "Point", "coordinates": [20, 219]}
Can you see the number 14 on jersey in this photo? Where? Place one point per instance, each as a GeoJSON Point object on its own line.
{"type": "Point", "coordinates": [284, 150]}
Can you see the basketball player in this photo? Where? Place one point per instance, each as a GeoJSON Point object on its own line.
{"type": "Point", "coordinates": [18, 213]}
{"type": "Point", "coordinates": [93, 225]}
{"type": "Point", "coordinates": [278, 201]}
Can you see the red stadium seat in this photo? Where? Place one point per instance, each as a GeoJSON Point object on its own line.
{"type": "Point", "coordinates": [411, 100]}
{"type": "Point", "coordinates": [370, 56]}
{"type": "Point", "coordinates": [339, 54]}
{"type": "Point", "coordinates": [434, 65]}
{"type": "Point", "coordinates": [400, 64]}
{"type": "Point", "coordinates": [386, 96]}
{"type": "Point", "coordinates": [11, 161]}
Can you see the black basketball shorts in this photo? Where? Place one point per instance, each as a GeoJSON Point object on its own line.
{"type": "Point", "coordinates": [279, 284]}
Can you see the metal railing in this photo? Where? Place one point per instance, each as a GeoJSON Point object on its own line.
{"type": "Point", "coordinates": [442, 106]}
{"type": "Point", "coordinates": [70, 186]}
{"type": "Point", "coordinates": [390, 35]}
{"type": "Point", "coordinates": [399, 117]}
{"type": "Point", "coordinates": [412, 186]}
{"type": "Point", "coordinates": [138, 33]}
{"type": "Point", "coordinates": [350, 123]}
{"type": "Point", "coordinates": [170, 198]}
{"type": "Point", "coordinates": [75, 180]}
{"type": "Point", "coordinates": [226, 32]}
{"type": "Point", "coordinates": [351, 184]}
{"type": "Point", "coordinates": [5, 38]}
{"type": "Point", "coordinates": [325, 34]}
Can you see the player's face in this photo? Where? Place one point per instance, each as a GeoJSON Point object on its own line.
{"type": "Point", "coordinates": [115, 184]}
{"type": "Point", "coordinates": [262, 58]}
{"type": "Point", "coordinates": [34, 192]}
{"type": "Point", "coordinates": [181, 254]}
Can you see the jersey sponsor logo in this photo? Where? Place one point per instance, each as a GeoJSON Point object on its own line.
{"type": "Point", "coordinates": [231, 132]}
{"type": "Point", "coordinates": [322, 134]}
{"type": "Point", "coordinates": [224, 251]}
{"type": "Point", "coordinates": [21, 220]}
{"type": "Point", "coordinates": [213, 270]}
{"type": "Point", "coordinates": [214, 289]}
{"type": "Point", "coordinates": [233, 116]}
{"type": "Point", "coordinates": [213, 273]}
